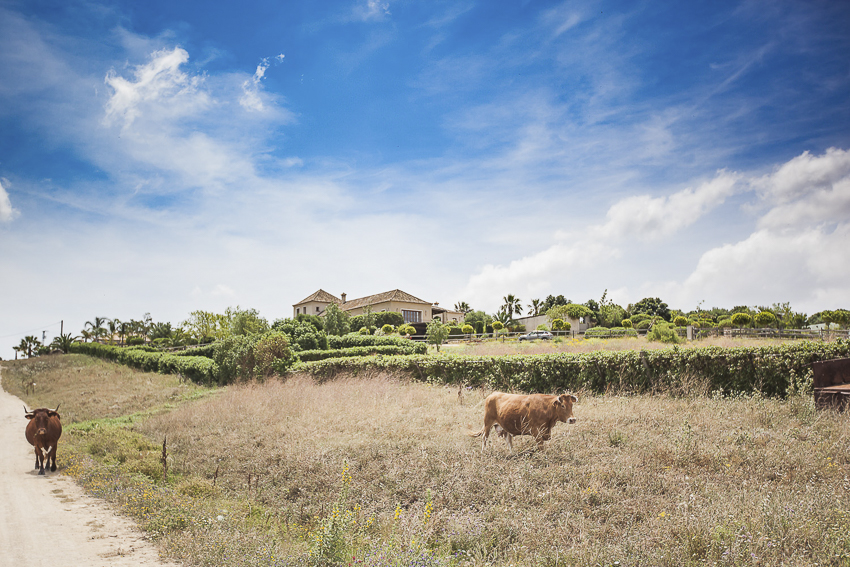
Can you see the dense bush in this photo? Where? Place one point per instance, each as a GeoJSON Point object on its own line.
{"type": "Point", "coordinates": [133, 341]}
{"type": "Point", "coordinates": [768, 370]}
{"type": "Point", "coordinates": [387, 329]}
{"type": "Point", "coordinates": [764, 319]}
{"type": "Point", "coordinates": [272, 354]}
{"type": "Point", "coordinates": [235, 357]}
{"type": "Point", "coordinates": [610, 332]}
{"type": "Point", "coordinates": [455, 331]}
{"type": "Point", "coordinates": [680, 321]}
{"type": "Point", "coordinates": [205, 350]}
{"type": "Point", "coordinates": [302, 334]}
{"type": "Point", "coordinates": [356, 340]}
{"type": "Point", "coordinates": [467, 329]}
{"type": "Point", "coordinates": [561, 325]}
{"type": "Point", "coordinates": [741, 319]}
{"type": "Point", "coordinates": [663, 332]}
{"type": "Point", "coordinates": [314, 320]}
{"type": "Point", "coordinates": [407, 329]}
{"type": "Point", "coordinates": [410, 348]}
{"type": "Point", "coordinates": [364, 331]}
{"type": "Point", "coordinates": [627, 323]}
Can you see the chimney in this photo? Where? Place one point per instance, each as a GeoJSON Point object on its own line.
{"type": "Point", "coordinates": [343, 298]}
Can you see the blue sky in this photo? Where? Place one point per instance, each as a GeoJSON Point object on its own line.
{"type": "Point", "coordinates": [169, 156]}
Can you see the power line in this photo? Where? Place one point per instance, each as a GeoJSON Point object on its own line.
{"type": "Point", "coordinates": [31, 330]}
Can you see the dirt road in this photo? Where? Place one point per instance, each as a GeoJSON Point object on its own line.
{"type": "Point", "coordinates": [49, 520]}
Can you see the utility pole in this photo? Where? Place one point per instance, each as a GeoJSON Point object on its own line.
{"type": "Point", "coordinates": [61, 327]}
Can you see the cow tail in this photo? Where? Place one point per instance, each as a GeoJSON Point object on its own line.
{"type": "Point", "coordinates": [479, 434]}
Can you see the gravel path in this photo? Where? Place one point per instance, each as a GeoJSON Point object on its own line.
{"type": "Point", "coordinates": [49, 520]}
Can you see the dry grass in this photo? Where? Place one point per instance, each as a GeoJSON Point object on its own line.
{"type": "Point", "coordinates": [578, 345]}
{"type": "Point", "coordinates": [89, 388]}
{"type": "Point", "coordinates": [640, 480]}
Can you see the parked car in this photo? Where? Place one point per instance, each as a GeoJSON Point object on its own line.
{"type": "Point", "coordinates": [533, 335]}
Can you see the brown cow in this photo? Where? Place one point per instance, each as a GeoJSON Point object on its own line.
{"type": "Point", "coordinates": [517, 414]}
{"type": "Point", "coordinates": [43, 432]}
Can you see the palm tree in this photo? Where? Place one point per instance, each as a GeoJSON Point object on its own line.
{"type": "Point", "coordinates": [463, 307]}
{"type": "Point", "coordinates": [29, 343]}
{"type": "Point", "coordinates": [124, 329]}
{"type": "Point", "coordinates": [534, 307]}
{"type": "Point", "coordinates": [512, 305]}
{"type": "Point", "coordinates": [87, 336]}
{"type": "Point", "coordinates": [17, 349]}
{"type": "Point", "coordinates": [63, 342]}
{"type": "Point", "coordinates": [113, 325]}
{"type": "Point", "coordinates": [97, 329]}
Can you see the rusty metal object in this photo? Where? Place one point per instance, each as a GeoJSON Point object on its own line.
{"type": "Point", "coordinates": [832, 383]}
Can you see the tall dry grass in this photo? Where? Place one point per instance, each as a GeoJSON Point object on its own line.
{"type": "Point", "coordinates": [639, 480]}
{"type": "Point", "coordinates": [89, 388]}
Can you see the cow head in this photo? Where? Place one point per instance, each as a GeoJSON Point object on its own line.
{"type": "Point", "coordinates": [564, 407]}
{"type": "Point", "coordinates": [41, 417]}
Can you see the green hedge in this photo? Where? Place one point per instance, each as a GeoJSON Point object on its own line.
{"type": "Point", "coordinates": [764, 369]}
{"type": "Point", "coordinates": [197, 368]}
{"type": "Point", "coordinates": [610, 332]}
{"type": "Point", "coordinates": [203, 350]}
{"type": "Point", "coordinates": [355, 340]}
{"type": "Point", "coordinates": [311, 355]}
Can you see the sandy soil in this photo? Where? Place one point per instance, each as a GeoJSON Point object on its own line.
{"type": "Point", "coordinates": [49, 520]}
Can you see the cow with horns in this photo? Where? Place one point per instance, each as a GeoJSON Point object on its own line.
{"type": "Point", "coordinates": [43, 432]}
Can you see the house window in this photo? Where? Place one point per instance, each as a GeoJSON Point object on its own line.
{"type": "Point", "coordinates": [297, 310]}
{"type": "Point", "coordinates": [317, 309]}
{"type": "Point", "coordinates": [411, 316]}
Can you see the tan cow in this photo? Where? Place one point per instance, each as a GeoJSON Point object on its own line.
{"type": "Point", "coordinates": [517, 414]}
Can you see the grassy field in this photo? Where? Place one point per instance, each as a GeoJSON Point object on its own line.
{"type": "Point", "coordinates": [379, 471]}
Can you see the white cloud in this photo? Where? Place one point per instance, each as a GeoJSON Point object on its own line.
{"type": "Point", "coordinates": [7, 212]}
{"type": "Point", "coordinates": [807, 190]}
{"type": "Point", "coordinates": [153, 83]}
{"type": "Point", "coordinates": [372, 10]}
{"type": "Point", "coordinates": [650, 218]}
{"type": "Point", "coordinates": [251, 98]}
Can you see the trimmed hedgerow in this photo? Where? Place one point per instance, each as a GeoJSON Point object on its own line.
{"type": "Point", "coordinates": [613, 332]}
{"type": "Point", "coordinates": [203, 350]}
{"type": "Point", "coordinates": [768, 370]}
{"type": "Point", "coordinates": [411, 348]}
{"type": "Point", "coordinates": [355, 340]}
{"type": "Point", "coordinates": [197, 368]}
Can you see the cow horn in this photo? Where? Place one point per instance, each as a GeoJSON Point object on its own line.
{"type": "Point", "coordinates": [26, 410]}
{"type": "Point", "coordinates": [57, 408]}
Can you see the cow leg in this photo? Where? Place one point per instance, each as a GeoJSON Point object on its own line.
{"type": "Point", "coordinates": [37, 458]}
{"type": "Point", "coordinates": [52, 458]}
{"type": "Point", "coordinates": [509, 440]}
{"type": "Point", "coordinates": [487, 425]}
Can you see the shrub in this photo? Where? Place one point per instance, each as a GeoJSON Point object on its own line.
{"type": "Point", "coordinates": [764, 319]}
{"type": "Point", "coordinates": [197, 368]}
{"type": "Point", "coordinates": [467, 329]}
{"type": "Point", "coordinates": [235, 357]}
{"type": "Point", "coordinates": [644, 324]}
{"type": "Point", "coordinates": [358, 340]}
{"type": "Point", "coordinates": [302, 335]}
{"type": "Point", "coordinates": [455, 330]}
{"type": "Point", "coordinates": [364, 331]}
{"type": "Point", "coordinates": [497, 326]}
{"type": "Point", "coordinates": [387, 329]}
{"type": "Point", "coordinates": [613, 332]}
{"type": "Point", "coordinates": [406, 329]}
{"type": "Point", "coordinates": [663, 332]}
{"type": "Point", "coordinates": [133, 341]}
{"type": "Point", "coordinates": [411, 348]}
{"type": "Point", "coordinates": [561, 325]}
{"type": "Point", "coordinates": [741, 319]}
{"type": "Point", "coordinates": [436, 333]}
{"type": "Point", "coordinates": [272, 353]}
{"type": "Point", "coordinates": [680, 321]}
{"type": "Point", "coordinates": [627, 323]}
{"type": "Point", "coordinates": [314, 320]}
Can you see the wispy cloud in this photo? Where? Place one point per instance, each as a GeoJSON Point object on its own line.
{"type": "Point", "coordinates": [7, 212]}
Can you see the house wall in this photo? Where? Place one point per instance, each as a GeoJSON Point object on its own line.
{"type": "Point", "coordinates": [310, 308]}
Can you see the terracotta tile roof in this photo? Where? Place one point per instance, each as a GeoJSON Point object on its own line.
{"type": "Point", "coordinates": [323, 296]}
{"type": "Point", "coordinates": [394, 295]}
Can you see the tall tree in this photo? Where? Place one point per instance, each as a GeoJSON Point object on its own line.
{"type": "Point", "coordinates": [512, 305]}
{"type": "Point", "coordinates": [96, 327]}
{"type": "Point", "coordinates": [336, 320]}
{"type": "Point", "coordinates": [463, 307]}
{"type": "Point", "coordinates": [534, 307]}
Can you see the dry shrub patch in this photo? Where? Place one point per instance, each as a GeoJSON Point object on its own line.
{"type": "Point", "coordinates": [380, 471]}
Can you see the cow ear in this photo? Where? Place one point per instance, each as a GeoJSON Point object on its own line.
{"type": "Point", "coordinates": [575, 399]}
{"type": "Point", "coordinates": [29, 416]}
{"type": "Point", "coordinates": [557, 402]}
